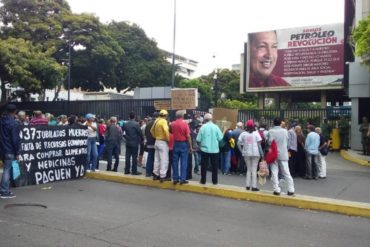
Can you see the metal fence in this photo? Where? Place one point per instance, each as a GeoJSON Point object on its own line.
{"type": "Point", "coordinates": [314, 116]}
{"type": "Point", "coordinates": [144, 107]}
{"type": "Point", "coordinates": [102, 108]}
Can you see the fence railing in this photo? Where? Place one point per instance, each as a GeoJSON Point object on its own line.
{"type": "Point", "coordinates": [314, 116]}
{"type": "Point", "coordinates": [144, 107]}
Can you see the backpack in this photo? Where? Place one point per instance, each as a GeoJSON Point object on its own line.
{"type": "Point", "coordinates": [272, 153]}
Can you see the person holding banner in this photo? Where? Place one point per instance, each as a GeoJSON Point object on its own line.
{"type": "Point", "coordinates": [263, 58]}
{"type": "Point", "coordinates": [10, 147]}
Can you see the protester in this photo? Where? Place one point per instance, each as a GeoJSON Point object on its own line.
{"type": "Point", "coordinates": [292, 149]}
{"type": "Point", "coordinates": [280, 135]}
{"type": "Point", "coordinates": [239, 166]}
{"type": "Point", "coordinates": [160, 132]}
{"type": "Point", "coordinates": [134, 137]}
{"type": "Point", "coordinates": [312, 145]}
{"type": "Point", "coordinates": [182, 146]}
{"type": "Point", "coordinates": [92, 151]}
{"type": "Point", "coordinates": [63, 120]}
{"type": "Point", "coordinates": [10, 147]}
{"type": "Point", "coordinates": [112, 141]}
{"type": "Point", "coordinates": [196, 149]}
{"type": "Point", "coordinates": [225, 152]}
{"type": "Point", "coordinates": [249, 144]}
{"type": "Point", "coordinates": [150, 141]}
{"type": "Point", "coordinates": [323, 151]}
{"type": "Point", "coordinates": [22, 118]}
{"type": "Point", "coordinates": [140, 158]}
{"type": "Point", "coordinates": [38, 119]}
{"type": "Point", "coordinates": [301, 156]}
{"type": "Point", "coordinates": [209, 137]}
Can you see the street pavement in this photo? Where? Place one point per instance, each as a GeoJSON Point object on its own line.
{"type": "Point", "coordinates": [88, 212]}
{"type": "Point", "coordinates": [345, 180]}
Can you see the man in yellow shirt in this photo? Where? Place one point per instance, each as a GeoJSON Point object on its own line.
{"type": "Point", "coordinates": [160, 132]}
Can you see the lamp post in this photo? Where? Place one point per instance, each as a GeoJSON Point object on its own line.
{"type": "Point", "coordinates": [173, 47]}
{"type": "Point", "coordinates": [69, 71]}
{"type": "Point", "coordinates": [215, 80]}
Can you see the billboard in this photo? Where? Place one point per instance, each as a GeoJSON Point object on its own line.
{"type": "Point", "coordinates": [305, 58]}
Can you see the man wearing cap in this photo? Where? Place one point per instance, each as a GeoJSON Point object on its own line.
{"type": "Point", "coordinates": [92, 150]}
{"type": "Point", "coordinates": [134, 136]}
{"type": "Point", "coordinates": [160, 132]}
{"type": "Point", "coordinates": [182, 147]}
{"type": "Point", "coordinates": [9, 144]}
{"type": "Point", "coordinates": [280, 135]}
{"type": "Point", "coordinates": [311, 146]}
{"type": "Point", "coordinates": [209, 137]}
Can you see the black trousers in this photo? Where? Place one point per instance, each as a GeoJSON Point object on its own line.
{"type": "Point", "coordinates": [205, 158]}
{"type": "Point", "coordinates": [292, 163]}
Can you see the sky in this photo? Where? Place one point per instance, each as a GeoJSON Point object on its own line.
{"type": "Point", "coordinates": [212, 32]}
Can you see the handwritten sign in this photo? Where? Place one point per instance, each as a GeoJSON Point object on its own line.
{"type": "Point", "coordinates": [52, 153]}
{"type": "Point", "coordinates": [184, 99]}
{"type": "Point", "coordinates": [162, 104]}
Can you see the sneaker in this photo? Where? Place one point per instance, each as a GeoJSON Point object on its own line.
{"type": "Point", "coordinates": [276, 193]}
{"type": "Point", "coordinates": [97, 170]}
{"type": "Point", "coordinates": [88, 170]}
{"type": "Point", "coordinates": [7, 195]}
{"type": "Point", "coordinates": [290, 193]}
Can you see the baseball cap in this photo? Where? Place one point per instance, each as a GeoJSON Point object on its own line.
{"type": "Point", "coordinates": [89, 116]}
{"type": "Point", "coordinates": [249, 123]}
{"type": "Point", "coordinates": [163, 113]}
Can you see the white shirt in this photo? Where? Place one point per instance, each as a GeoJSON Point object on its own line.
{"type": "Point", "coordinates": [90, 131]}
{"type": "Point", "coordinates": [249, 141]}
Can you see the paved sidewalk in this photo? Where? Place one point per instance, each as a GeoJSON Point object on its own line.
{"type": "Point", "coordinates": [345, 190]}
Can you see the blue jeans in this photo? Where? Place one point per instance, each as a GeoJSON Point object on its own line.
{"type": "Point", "coordinates": [180, 152]}
{"type": "Point", "coordinates": [5, 180]}
{"type": "Point", "coordinates": [226, 159]}
{"type": "Point", "coordinates": [149, 162]}
{"type": "Point", "coordinates": [197, 161]}
{"type": "Point", "coordinates": [92, 154]}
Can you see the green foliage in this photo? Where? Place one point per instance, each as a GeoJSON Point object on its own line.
{"type": "Point", "coordinates": [143, 64]}
{"type": "Point", "coordinates": [236, 104]}
{"type": "Point", "coordinates": [361, 36]}
{"type": "Point", "coordinates": [26, 66]}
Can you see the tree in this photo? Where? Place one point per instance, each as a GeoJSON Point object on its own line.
{"type": "Point", "coordinates": [143, 63]}
{"type": "Point", "coordinates": [204, 87]}
{"type": "Point", "coordinates": [24, 65]}
{"type": "Point", "coordinates": [361, 36]}
{"type": "Point", "coordinates": [53, 26]}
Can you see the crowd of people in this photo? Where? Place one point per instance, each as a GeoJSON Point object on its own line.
{"type": "Point", "coordinates": [174, 150]}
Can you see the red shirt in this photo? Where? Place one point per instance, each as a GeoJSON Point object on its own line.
{"type": "Point", "coordinates": [180, 130]}
{"type": "Point", "coordinates": [39, 121]}
{"type": "Point", "coordinates": [171, 142]}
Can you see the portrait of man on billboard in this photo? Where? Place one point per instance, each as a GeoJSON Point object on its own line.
{"type": "Point", "coordinates": [263, 49]}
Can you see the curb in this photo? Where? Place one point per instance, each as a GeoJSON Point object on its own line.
{"type": "Point", "coordinates": [239, 193]}
{"type": "Point", "coordinates": [347, 156]}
